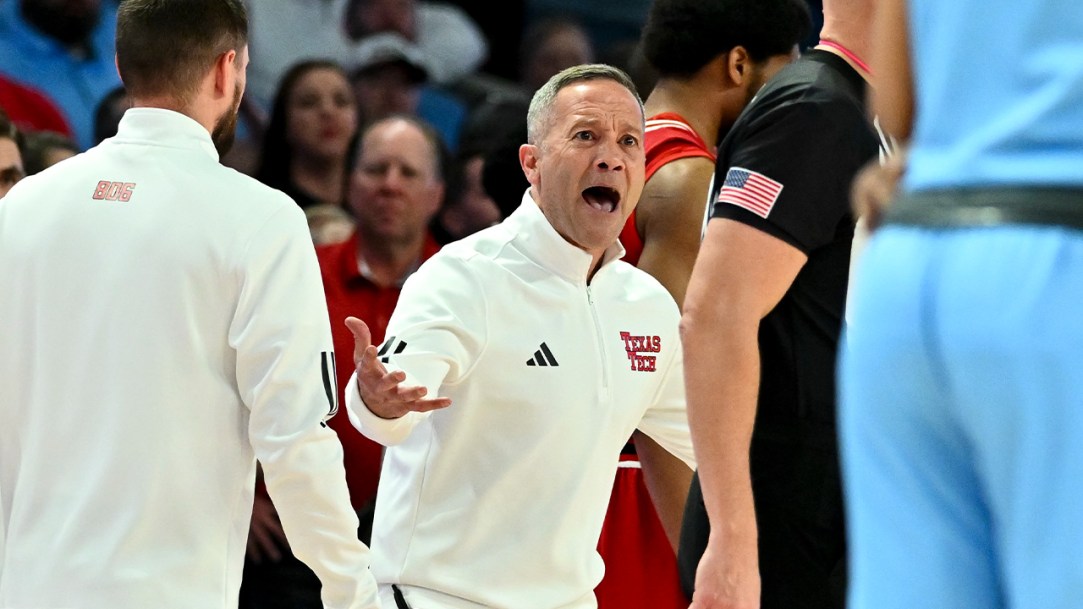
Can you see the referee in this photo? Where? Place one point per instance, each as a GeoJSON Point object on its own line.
{"type": "Point", "coordinates": [761, 326]}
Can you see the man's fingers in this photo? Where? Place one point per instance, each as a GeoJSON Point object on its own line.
{"type": "Point", "coordinates": [380, 382]}
{"type": "Point", "coordinates": [370, 365]}
{"type": "Point", "coordinates": [369, 362]}
{"type": "Point", "coordinates": [391, 380]}
{"type": "Point", "coordinates": [362, 337]}
{"type": "Point", "coordinates": [430, 404]}
{"type": "Point", "coordinates": [410, 394]}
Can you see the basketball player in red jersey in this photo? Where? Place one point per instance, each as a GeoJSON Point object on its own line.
{"type": "Point", "coordinates": [711, 58]}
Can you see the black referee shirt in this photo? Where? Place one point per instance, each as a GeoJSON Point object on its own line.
{"type": "Point", "coordinates": [806, 132]}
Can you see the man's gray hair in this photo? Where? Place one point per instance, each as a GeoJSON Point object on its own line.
{"type": "Point", "coordinates": [541, 105]}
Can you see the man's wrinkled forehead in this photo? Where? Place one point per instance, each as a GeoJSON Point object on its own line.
{"type": "Point", "coordinates": [594, 102]}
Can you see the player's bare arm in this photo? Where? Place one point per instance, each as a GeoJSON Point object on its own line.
{"type": "Point", "coordinates": [670, 219]}
{"type": "Point", "coordinates": [892, 97]}
{"type": "Point", "coordinates": [667, 479]}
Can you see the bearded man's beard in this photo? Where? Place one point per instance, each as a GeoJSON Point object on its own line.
{"type": "Point", "coordinates": [225, 128]}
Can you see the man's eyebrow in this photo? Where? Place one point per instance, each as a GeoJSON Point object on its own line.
{"type": "Point", "coordinates": [587, 121]}
{"type": "Point", "coordinates": [592, 121]}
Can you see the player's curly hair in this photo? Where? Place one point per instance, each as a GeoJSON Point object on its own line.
{"type": "Point", "coordinates": [682, 36]}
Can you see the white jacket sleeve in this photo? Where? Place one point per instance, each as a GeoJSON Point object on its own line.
{"type": "Point", "coordinates": [666, 421]}
{"type": "Point", "coordinates": [285, 373]}
{"type": "Point", "coordinates": [435, 336]}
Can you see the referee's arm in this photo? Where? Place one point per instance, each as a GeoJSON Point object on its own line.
{"type": "Point", "coordinates": [740, 275]}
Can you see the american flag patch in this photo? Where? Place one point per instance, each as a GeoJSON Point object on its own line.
{"type": "Point", "coordinates": [753, 191]}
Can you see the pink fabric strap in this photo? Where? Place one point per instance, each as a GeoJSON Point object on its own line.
{"type": "Point", "coordinates": [847, 53]}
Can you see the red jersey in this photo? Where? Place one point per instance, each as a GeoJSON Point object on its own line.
{"type": "Point", "coordinates": [668, 137]}
{"type": "Point", "coordinates": [640, 567]}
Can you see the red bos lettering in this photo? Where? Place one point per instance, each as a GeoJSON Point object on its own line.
{"type": "Point", "coordinates": [113, 191]}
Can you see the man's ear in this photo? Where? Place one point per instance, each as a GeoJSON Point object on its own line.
{"type": "Point", "coordinates": [225, 74]}
{"type": "Point", "coordinates": [738, 65]}
{"type": "Point", "coordinates": [528, 160]}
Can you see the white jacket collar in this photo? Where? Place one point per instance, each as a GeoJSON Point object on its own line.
{"type": "Point", "coordinates": [542, 243]}
{"type": "Point", "coordinates": [163, 127]}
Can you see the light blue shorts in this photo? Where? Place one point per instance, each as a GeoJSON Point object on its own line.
{"type": "Point", "coordinates": [961, 419]}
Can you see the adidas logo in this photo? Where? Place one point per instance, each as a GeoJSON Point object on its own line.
{"type": "Point", "coordinates": [385, 351]}
{"type": "Point", "coordinates": [542, 357]}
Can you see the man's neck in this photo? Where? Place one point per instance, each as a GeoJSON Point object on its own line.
{"type": "Point", "coordinates": [388, 263]}
{"type": "Point", "coordinates": [686, 99]}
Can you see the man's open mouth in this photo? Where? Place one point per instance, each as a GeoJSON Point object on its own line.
{"type": "Point", "coordinates": [602, 198]}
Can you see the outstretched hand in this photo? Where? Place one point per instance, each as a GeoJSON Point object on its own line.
{"type": "Point", "coordinates": [382, 391]}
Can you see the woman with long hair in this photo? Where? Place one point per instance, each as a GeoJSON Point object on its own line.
{"type": "Point", "coordinates": [310, 139]}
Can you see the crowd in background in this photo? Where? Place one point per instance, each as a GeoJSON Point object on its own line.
{"type": "Point", "coordinates": [398, 127]}
{"type": "Point", "coordinates": [394, 124]}
{"type": "Point", "coordinates": [322, 70]}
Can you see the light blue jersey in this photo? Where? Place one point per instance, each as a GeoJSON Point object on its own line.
{"type": "Point", "coordinates": [1021, 127]}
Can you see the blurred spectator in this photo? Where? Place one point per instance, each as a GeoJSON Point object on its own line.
{"type": "Point", "coordinates": [496, 129]}
{"type": "Point", "coordinates": [31, 110]}
{"type": "Point", "coordinates": [329, 223]}
{"type": "Point", "coordinates": [502, 175]}
{"type": "Point", "coordinates": [42, 149]}
{"type": "Point", "coordinates": [108, 113]}
{"type": "Point", "coordinates": [390, 77]}
{"type": "Point", "coordinates": [452, 44]}
{"type": "Point", "coordinates": [288, 31]}
{"type": "Point", "coordinates": [311, 135]}
{"type": "Point", "coordinates": [549, 46]}
{"type": "Point", "coordinates": [468, 208]}
{"type": "Point", "coordinates": [502, 25]}
{"type": "Point", "coordinates": [628, 56]}
{"type": "Point", "coordinates": [64, 49]}
{"type": "Point", "coordinates": [396, 188]}
{"type": "Point", "coordinates": [607, 21]}
{"type": "Point", "coordinates": [11, 161]}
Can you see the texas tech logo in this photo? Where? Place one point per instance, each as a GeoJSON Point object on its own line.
{"type": "Point", "coordinates": [637, 346]}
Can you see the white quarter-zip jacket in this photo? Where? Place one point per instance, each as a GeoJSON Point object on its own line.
{"type": "Point", "coordinates": [499, 499]}
{"type": "Point", "coordinates": [162, 326]}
